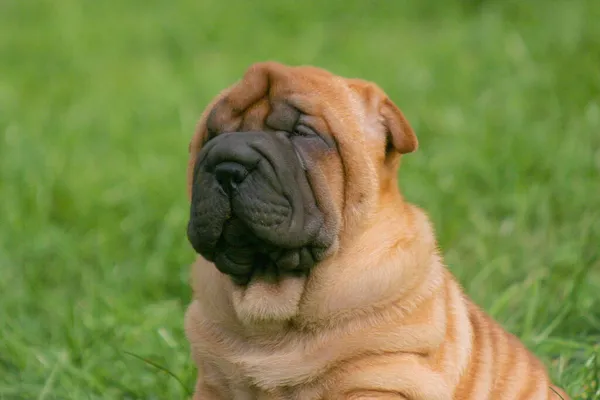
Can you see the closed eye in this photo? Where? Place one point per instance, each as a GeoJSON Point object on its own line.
{"type": "Point", "coordinates": [304, 130]}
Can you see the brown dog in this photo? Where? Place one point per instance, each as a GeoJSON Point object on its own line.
{"type": "Point", "coordinates": [316, 279]}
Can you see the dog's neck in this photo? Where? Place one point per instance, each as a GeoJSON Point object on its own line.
{"type": "Point", "coordinates": [401, 247]}
{"type": "Point", "coordinates": [401, 277]}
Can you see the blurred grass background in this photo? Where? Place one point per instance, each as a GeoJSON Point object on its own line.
{"type": "Point", "coordinates": [98, 100]}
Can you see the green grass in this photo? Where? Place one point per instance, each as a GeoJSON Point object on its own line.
{"type": "Point", "coordinates": [98, 100]}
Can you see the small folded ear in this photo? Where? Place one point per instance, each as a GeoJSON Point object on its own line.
{"type": "Point", "coordinates": [401, 136]}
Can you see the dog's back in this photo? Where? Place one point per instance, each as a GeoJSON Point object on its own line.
{"type": "Point", "coordinates": [500, 366]}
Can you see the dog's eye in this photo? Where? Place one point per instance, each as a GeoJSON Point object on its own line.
{"type": "Point", "coordinates": [303, 130]}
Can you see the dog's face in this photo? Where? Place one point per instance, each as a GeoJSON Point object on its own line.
{"type": "Point", "coordinates": [287, 164]}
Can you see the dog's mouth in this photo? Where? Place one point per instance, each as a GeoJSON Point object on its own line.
{"type": "Point", "coordinates": [253, 212]}
{"type": "Point", "coordinates": [243, 256]}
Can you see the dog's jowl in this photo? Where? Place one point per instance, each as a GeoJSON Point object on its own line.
{"type": "Point", "coordinates": [253, 212]}
{"type": "Point", "coordinates": [315, 279]}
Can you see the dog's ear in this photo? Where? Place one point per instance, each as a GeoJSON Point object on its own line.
{"type": "Point", "coordinates": [400, 135]}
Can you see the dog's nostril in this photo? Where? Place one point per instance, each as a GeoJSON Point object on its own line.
{"type": "Point", "coordinates": [229, 174]}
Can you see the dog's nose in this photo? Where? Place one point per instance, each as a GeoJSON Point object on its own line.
{"type": "Point", "coordinates": [230, 174]}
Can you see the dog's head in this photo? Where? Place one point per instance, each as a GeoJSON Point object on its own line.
{"type": "Point", "coordinates": [286, 165]}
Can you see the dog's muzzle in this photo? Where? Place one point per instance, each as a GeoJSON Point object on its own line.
{"type": "Point", "coordinates": [253, 209]}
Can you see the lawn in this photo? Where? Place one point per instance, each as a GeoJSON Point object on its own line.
{"type": "Point", "coordinates": [98, 100]}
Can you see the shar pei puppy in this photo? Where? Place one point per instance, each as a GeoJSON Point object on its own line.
{"type": "Point", "coordinates": [315, 279]}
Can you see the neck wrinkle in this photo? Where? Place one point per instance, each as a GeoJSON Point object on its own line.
{"type": "Point", "coordinates": [374, 270]}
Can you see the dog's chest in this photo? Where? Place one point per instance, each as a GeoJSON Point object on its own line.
{"type": "Point", "coordinates": [242, 387]}
{"type": "Point", "coordinates": [270, 366]}
{"type": "Point", "coordinates": [252, 378]}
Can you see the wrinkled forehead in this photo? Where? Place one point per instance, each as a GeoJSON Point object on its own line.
{"type": "Point", "coordinates": [273, 96]}
{"type": "Point", "coordinates": [304, 83]}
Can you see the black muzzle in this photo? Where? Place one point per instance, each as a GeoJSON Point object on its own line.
{"type": "Point", "coordinates": [253, 208]}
